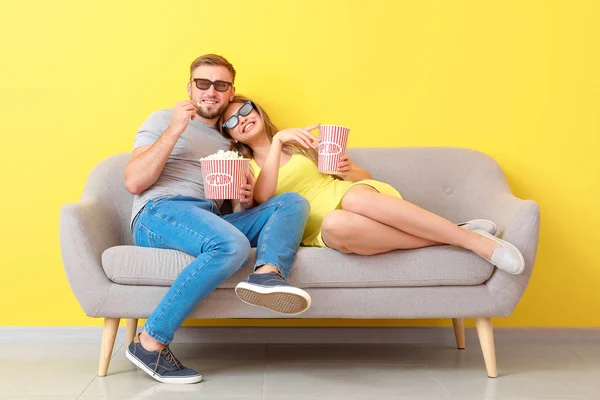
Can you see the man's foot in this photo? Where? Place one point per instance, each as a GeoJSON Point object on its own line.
{"type": "Point", "coordinates": [506, 256]}
{"type": "Point", "coordinates": [270, 290]}
{"type": "Point", "coordinates": [161, 365]}
{"type": "Point", "coordinates": [483, 224]}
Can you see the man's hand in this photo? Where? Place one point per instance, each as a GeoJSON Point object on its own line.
{"type": "Point", "coordinates": [247, 192]}
{"type": "Point", "coordinates": [183, 112]}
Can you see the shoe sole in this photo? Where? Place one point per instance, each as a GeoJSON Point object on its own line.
{"type": "Point", "coordinates": [286, 300]}
{"type": "Point", "coordinates": [138, 363]}
{"type": "Point", "coordinates": [504, 243]}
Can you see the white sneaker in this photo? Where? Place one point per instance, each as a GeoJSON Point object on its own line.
{"type": "Point", "coordinates": [507, 258]}
{"type": "Point", "coordinates": [483, 224]}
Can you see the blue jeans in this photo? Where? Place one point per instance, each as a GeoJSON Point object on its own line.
{"type": "Point", "coordinates": [221, 246]}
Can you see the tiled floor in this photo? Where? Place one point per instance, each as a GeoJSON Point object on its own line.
{"type": "Point", "coordinates": [549, 365]}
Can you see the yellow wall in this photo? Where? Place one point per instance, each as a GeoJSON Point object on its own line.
{"type": "Point", "coordinates": [518, 80]}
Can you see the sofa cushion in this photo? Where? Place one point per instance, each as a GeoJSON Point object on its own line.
{"type": "Point", "coordinates": [314, 267]}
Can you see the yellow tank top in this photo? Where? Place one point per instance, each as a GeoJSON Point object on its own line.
{"type": "Point", "coordinates": [323, 192]}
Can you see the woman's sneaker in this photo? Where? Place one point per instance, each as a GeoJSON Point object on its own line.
{"type": "Point", "coordinates": [506, 257]}
{"type": "Point", "coordinates": [271, 291]}
{"type": "Point", "coordinates": [482, 224]}
{"type": "Point", "coordinates": [161, 365]}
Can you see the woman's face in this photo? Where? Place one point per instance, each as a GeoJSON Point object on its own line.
{"type": "Point", "coordinates": [248, 128]}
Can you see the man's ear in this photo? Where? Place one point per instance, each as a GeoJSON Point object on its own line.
{"type": "Point", "coordinates": [232, 95]}
{"type": "Point", "coordinates": [189, 89]}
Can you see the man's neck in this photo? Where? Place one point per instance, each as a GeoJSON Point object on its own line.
{"type": "Point", "coordinates": [209, 122]}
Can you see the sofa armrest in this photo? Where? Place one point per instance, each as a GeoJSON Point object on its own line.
{"type": "Point", "coordinates": [86, 230]}
{"type": "Point", "coordinates": [521, 219]}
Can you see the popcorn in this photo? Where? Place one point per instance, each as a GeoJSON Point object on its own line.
{"type": "Point", "coordinates": [224, 155]}
{"type": "Point", "coordinates": [223, 174]}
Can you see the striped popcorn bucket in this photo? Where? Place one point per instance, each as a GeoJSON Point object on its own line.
{"type": "Point", "coordinates": [332, 147]}
{"type": "Point", "coordinates": [223, 179]}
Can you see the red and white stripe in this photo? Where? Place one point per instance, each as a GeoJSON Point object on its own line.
{"type": "Point", "coordinates": [332, 146]}
{"type": "Point", "coordinates": [223, 179]}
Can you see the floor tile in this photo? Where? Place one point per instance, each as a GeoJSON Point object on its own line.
{"type": "Point", "coordinates": [354, 353]}
{"type": "Point", "coordinates": [17, 352]}
{"type": "Point", "coordinates": [533, 365]}
{"type": "Point", "coordinates": [587, 352]}
{"type": "Point", "coordinates": [39, 397]}
{"type": "Point", "coordinates": [233, 378]}
{"type": "Point", "coordinates": [350, 381]}
{"type": "Point", "coordinates": [47, 378]}
{"type": "Point", "coordinates": [198, 351]}
{"type": "Point", "coordinates": [175, 394]}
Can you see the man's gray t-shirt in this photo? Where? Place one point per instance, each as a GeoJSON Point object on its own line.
{"type": "Point", "coordinates": [182, 174]}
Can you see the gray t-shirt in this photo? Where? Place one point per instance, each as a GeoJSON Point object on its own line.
{"type": "Point", "coordinates": [182, 174]}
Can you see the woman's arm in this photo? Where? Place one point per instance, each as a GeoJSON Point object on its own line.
{"type": "Point", "coordinates": [246, 200]}
{"type": "Point", "coordinates": [266, 183]}
{"type": "Point", "coordinates": [352, 172]}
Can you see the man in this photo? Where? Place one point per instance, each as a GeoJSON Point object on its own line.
{"type": "Point", "coordinates": [170, 212]}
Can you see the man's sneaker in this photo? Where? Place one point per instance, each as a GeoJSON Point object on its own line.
{"type": "Point", "coordinates": [271, 291]}
{"type": "Point", "coordinates": [161, 365]}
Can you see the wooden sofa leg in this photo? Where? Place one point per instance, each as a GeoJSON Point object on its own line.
{"type": "Point", "coordinates": [132, 324]}
{"type": "Point", "coordinates": [109, 334]}
{"type": "Point", "coordinates": [485, 331]}
{"type": "Point", "coordinates": [459, 332]}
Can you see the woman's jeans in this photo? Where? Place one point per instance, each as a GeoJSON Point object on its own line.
{"type": "Point", "coordinates": [221, 245]}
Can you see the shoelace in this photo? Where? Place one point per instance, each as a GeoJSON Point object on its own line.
{"type": "Point", "coordinates": [170, 357]}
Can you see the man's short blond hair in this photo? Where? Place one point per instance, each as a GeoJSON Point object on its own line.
{"type": "Point", "coordinates": [212, 59]}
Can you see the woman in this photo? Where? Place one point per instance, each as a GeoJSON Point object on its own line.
{"type": "Point", "coordinates": [355, 214]}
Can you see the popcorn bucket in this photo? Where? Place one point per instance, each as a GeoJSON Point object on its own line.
{"type": "Point", "coordinates": [223, 179]}
{"type": "Point", "coordinates": [332, 147]}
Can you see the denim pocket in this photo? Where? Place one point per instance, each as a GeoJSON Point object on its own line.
{"type": "Point", "coordinates": [155, 241]}
{"type": "Point", "coordinates": [144, 237]}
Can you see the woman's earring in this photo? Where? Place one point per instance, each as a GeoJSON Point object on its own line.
{"type": "Point", "coordinates": [235, 140]}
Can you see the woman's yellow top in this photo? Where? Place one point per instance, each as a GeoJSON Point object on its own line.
{"type": "Point", "coordinates": [323, 192]}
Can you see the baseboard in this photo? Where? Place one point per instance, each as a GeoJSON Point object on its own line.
{"type": "Point", "coordinates": [275, 335]}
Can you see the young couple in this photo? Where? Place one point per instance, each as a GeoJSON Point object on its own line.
{"type": "Point", "coordinates": [290, 203]}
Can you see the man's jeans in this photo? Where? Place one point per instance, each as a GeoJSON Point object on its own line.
{"type": "Point", "coordinates": [221, 246]}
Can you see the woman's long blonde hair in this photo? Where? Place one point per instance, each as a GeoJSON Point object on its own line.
{"type": "Point", "coordinates": [270, 131]}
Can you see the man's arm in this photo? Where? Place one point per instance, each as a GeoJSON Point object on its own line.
{"type": "Point", "coordinates": [147, 162]}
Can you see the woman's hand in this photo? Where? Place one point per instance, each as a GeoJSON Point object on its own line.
{"type": "Point", "coordinates": [299, 135]}
{"type": "Point", "coordinates": [247, 192]}
{"type": "Point", "coordinates": [345, 166]}
{"type": "Point", "coordinates": [350, 171]}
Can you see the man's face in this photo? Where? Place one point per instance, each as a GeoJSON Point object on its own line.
{"type": "Point", "coordinates": [211, 103]}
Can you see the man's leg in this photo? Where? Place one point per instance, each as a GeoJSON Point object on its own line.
{"type": "Point", "coordinates": [184, 224]}
{"type": "Point", "coordinates": [275, 228]}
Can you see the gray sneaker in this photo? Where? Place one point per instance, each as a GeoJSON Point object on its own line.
{"type": "Point", "coordinates": [271, 291]}
{"type": "Point", "coordinates": [162, 366]}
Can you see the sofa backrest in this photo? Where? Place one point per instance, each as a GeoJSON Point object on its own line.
{"type": "Point", "coordinates": [456, 183]}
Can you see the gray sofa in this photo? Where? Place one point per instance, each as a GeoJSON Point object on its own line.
{"type": "Point", "coordinates": [112, 279]}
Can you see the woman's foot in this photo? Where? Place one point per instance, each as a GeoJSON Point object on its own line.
{"type": "Point", "coordinates": [483, 224]}
{"type": "Point", "coordinates": [501, 253]}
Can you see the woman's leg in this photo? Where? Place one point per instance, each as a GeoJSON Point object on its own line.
{"type": "Point", "coordinates": [348, 232]}
{"type": "Point", "coordinates": [411, 219]}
